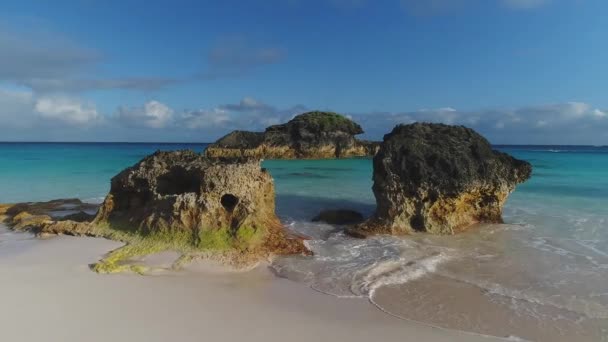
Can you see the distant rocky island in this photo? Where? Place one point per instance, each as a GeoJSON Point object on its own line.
{"type": "Point", "coordinates": [430, 178]}
{"type": "Point", "coordinates": [312, 135]}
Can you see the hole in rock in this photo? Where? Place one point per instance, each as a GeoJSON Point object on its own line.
{"type": "Point", "coordinates": [178, 181]}
{"type": "Point", "coordinates": [229, 202]}
{"type": "Point", "coordinates": [417, 223]}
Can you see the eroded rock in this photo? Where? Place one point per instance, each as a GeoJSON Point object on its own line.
{"type": "Point", "coordinates": [217, 204]}
{"type": "Point", "coordinates": [312, 135]}
{"type": "Point", "coordinates": [173, 201]}
{"type": "Point", "coordinates": [439, 179]}
{"type": "Point", "coordinates": [41, 218]}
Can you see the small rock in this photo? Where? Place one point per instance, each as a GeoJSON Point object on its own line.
{"type": "Point", "coordinates": [339, 217]}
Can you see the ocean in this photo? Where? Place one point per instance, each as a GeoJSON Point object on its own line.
{"type": "Point", "coordinates": [543, 275]}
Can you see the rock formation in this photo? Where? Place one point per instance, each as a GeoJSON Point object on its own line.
{"type": "Point", "coordinates": [218, 204]}
{"type": "Point", "coordinates": [64, 216]}
{"type": "Point", "coordinates": [179, 201]}
{"type": "Point", "coordinates": [313, 135]}
{"type": "Point", "coordinates": [439, 179]}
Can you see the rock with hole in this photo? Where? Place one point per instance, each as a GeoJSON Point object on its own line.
{"type": "Point", "coordinates": [216, 204]}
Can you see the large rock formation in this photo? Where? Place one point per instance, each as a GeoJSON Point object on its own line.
{"type": "Point", "coordinates": [179, 201]}
{"type": "Point", "coordinates": [219, 204]}
{"type": "Point", "coordinates": [439, 179]}
{"type": "Point", "coordinates": [313, 135]}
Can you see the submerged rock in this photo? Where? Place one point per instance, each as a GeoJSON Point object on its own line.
{"type": "Point", "coordinates": [339, 217]}
{"type": "Point", "coordinates": [41, 218]}
{"type": "Point", "coordinates": [313, 135]}
{"type": "Point", "coordinates": [439, 179]}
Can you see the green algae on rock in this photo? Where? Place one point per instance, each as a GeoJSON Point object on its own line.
{"type": "Point", "coordinates": [312, 135]}
{"type": "Point", "coordinates": [179, 201]}
{"type": "Point", "coordinates": [439, 179]}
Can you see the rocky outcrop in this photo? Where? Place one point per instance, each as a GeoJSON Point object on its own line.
{"type": "Point", "coordinates": [179, 201]}
{"type": "Point", "coordinates": [313, 135]}
{"type": "Point", "coordinates": [217, 204]}
{"type": "Point", "coordinates": [339, 217]}
{"type": "Point", "coordinates": [63, 216]}
{"type": "Point", "coordinates": [439, 179]}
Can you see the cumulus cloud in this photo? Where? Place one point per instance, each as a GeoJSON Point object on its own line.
{"type": "Point", "coordinates": [152, 114]}
{"type": "Point", "coordinates": [565, 123]}
{"type": "Point", "coordinates": [68, 110]}
{"type": "Point", "coordinates": [26, 116]}
{"type": "Point", "coordinates": [249, 114]}
{"type": "Point", "coordinates": [200, 119]}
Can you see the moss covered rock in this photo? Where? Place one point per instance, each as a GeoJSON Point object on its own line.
{"type": "Point", "coordinates": [216, 204]}
{"type": "Point", "coordinates": [312, 135]}
{"type": "Point", "coordinates": [178, 201]}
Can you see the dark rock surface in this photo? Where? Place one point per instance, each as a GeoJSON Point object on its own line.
{"type": "Point", "coordinates": [339, 217]}
{"type": "Point", "coordinates": [439, 179]}
{"type": "Point", "coordinates": [312, 135]}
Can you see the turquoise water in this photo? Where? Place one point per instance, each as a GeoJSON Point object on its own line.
{"type": "Point", "coordinates": [43, 171]}
{"type": "Point", "coordinates": [545, 272]}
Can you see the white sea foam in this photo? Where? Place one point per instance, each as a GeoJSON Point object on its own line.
{"type": "Point", "coordinates": [511, 265]}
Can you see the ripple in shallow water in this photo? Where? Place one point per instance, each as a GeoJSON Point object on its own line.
{"type": "Point", "coordinates": [498, 280]}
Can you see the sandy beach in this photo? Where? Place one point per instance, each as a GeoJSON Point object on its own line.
{"type": "Point", "coordinates": [49, 294]}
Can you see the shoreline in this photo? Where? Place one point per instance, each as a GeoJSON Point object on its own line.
{"type": "Point", "coordinates": [48, 276]}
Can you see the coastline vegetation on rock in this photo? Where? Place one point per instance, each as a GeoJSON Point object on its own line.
{"type": "Point", "coordinates": [311, 135]}
{"type": "Point", "coordinates": [174, 201]}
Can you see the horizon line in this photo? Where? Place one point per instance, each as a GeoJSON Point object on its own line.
{"type": "Point", "coordinates": [198, 143]}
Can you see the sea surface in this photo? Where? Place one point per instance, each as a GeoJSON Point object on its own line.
{"type": "Point", "coordinates": [542, 276]}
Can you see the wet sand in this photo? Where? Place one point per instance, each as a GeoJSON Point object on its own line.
{"type": "Point", "coordinates": [49, 294]}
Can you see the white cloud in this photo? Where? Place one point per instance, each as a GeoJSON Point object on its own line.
{"type": "Point", "coordinates": [153, 114]}
{"type": "Point", "coordinates": [212, 118]}
{"type": "Point", "coordinates": [565, 123]}
{"type": "Point", "coordinates": [21, 112]}
{"type": "Point", "coordinates": [68, 110]}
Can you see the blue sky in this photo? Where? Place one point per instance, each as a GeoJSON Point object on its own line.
{"type": "Point", "coordinates": [519, 71]}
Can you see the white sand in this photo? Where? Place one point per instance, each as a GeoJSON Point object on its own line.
{"type": "Point", "coordinates": [47, 293]}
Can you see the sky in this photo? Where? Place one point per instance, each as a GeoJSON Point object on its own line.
{"type": "Point", "coordinates": [517, 71]}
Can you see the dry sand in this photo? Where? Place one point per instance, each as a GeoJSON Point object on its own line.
{"type": "Point", "coordinates": [49, 294]}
